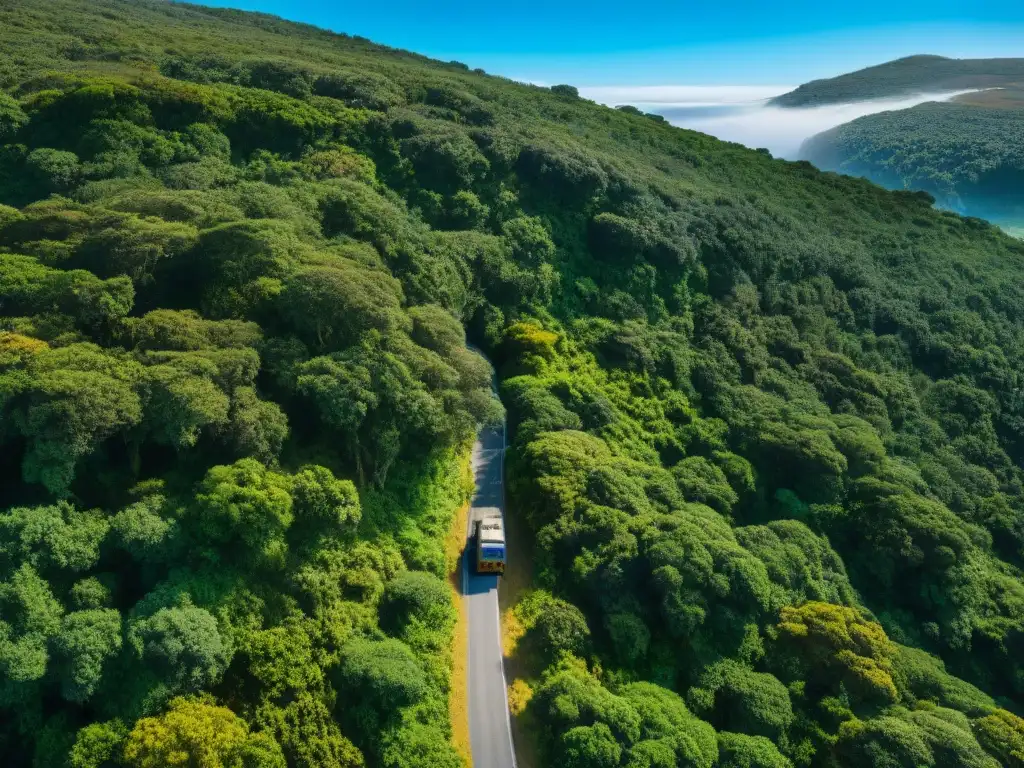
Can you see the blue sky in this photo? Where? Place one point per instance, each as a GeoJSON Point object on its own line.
{"type": "Point", "coordinates": [599, 42]}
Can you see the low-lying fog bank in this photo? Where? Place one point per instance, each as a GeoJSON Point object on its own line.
{"type": "Point", "coordinates": [740, 113]}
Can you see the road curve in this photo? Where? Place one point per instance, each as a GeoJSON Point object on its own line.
{"type": "Point", "coordinates": [490, 728]}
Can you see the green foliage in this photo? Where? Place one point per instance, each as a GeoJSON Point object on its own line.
{"type": "Point", "coordinates": [90, 592]}
{"type": "Point", "coordinates": [1002, 734]}
{"type": "Point", "coordinates": [416, 744]}
{"type": "Point", "coordinates": [590, 745]}
{"type": "Point", "coordinates": [86, 641]}
{"type": "Point", "coordinates": [737, 750]}
{"type": "Point", "coordinates": [570, 697]}
{"type": "Point", "coordinates": [386, 396]}
{"type": "Point", "coordinates": [31, 618]}
{"type": "Point", "coordinates": [701, 481]}
{"type": "Point", "coordinates": [245, 508]}
{"type": "Point", "coordinates": [561, 628]}
{"type": "Point", "coordinates": [384, 670]}
{"type": "Point", "coordinates": [333, 306]}
{"type": "Point", "coordinates": [745, 701]}
{"type": "Point", "coordinates": [664, 718]}
{"type": "Point", "coordinates": [566, 91]}
{"type": "Point", "coordinates": [51, 170]}
{"type": "Point", "coordinates": [309, 735]}
{"type": "Point", "coordinates": [180, 405]}
{"type": "Point", "coordinates": [52, 539]}
{"type": "Point", "coordinates": [193, 732]}
{"type": "Point", "coordinates": [12, 118]}
{"type": "Point", "coordinates": [77, 397]}
{"type": "Point", "coordinates": [184, 646]}
{"type": "Point", "coordinates": [764, 422]}
{"type": "Point", "coordinates": [925, 737]}
{"type": "Point", "coordinates": [384, 677]}
{"type": "Point", "coordinates": [323, 499]}
{"type": "Point", "coordinates": [143, 530]}
{"type": "Point", "coordinates": [920, 675]}
{"type": "Point", "coordinates": [414, 595]}
{"type": "Point", "coordinates": [257, 427]}
{"type": "Point", "coordinates": [97, 745]}
{"type": "Point", "coordinates": [820, 636]}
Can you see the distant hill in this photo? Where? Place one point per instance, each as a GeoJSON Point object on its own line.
{"type": "Point", "coordinates": [913, 74]}
{"type": "Point", "coordinates": [968, 155]}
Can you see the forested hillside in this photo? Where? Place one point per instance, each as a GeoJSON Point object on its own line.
{"type": "Point", "coordinates": [969, 156]}
{"type": "Point", "coordinates": [913, 74]}
{"type": "Point", "coordinates": [766, 421]}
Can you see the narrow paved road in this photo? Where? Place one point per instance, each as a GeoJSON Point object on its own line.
{"type": "Point", "coordinates": [490, 730]}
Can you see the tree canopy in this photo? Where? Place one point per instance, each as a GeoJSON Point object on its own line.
{"type": "Point", "coordinates": [764, 422]}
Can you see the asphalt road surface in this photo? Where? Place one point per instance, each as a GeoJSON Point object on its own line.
{"type": "Point", "coordinates": [490, 729]}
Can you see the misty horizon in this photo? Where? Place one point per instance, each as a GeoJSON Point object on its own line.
{"type": "Point", "coordinates": [741, 113]}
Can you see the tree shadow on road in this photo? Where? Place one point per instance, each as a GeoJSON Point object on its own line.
{"type": "Point", "coordinates": [522, 668]}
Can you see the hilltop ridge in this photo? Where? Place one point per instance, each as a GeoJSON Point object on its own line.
{"type": "Point", "coordinates": [918, 74]}
{"type": "Point", "coordinates": [969, 156]}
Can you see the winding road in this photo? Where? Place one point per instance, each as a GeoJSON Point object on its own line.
{"type": "Point", "coordinates": [490, 727]}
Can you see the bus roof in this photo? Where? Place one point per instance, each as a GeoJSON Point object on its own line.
{"type": "Point", "coordinates": [492, 529]}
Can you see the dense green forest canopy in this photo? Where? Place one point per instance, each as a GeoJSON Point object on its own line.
{"type": "Point", "coordinates": [766, 421]}
{"type": "Point", "coordinates": [969, 156]}
{"type": "Point", "coordinates": [912, 74]}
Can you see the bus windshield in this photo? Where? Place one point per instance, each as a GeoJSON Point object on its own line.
{"type": "Point", "coordinates": [492, 552]}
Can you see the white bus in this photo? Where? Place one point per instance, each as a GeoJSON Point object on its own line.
{"type": "Point", "coordinates": [489, 541]}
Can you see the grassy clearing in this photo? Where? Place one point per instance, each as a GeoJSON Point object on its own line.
{"type": "Point", "coordinates": [520, 670]}
{"type": "Point", "coordinates": [458, 703]}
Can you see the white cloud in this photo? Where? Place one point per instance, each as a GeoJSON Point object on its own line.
{"type": "Point", "coordinates": [740, 113]}
{"type": "Point", "coordinates": [665, 95]}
